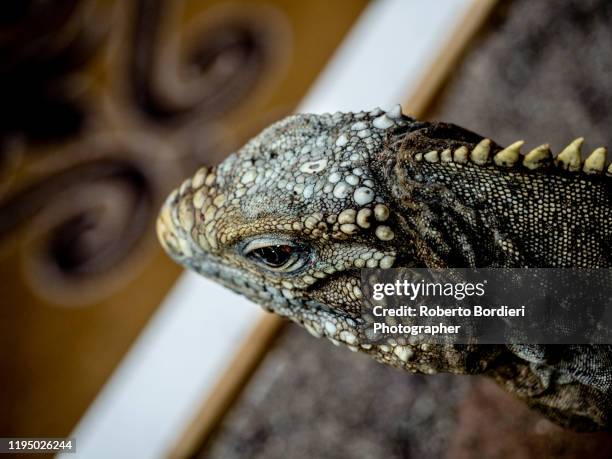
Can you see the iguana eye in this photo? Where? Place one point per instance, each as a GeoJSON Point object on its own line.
{"type": "Point", "coordinates": [276, 256]}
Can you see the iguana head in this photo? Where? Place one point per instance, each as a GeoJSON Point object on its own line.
{"type": "Point", "coordinates": [291, 218]}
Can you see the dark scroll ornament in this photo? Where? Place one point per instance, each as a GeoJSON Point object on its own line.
{"type": "Point", "coordinates": [88, 225]}
{"type": "Point", "coordinates": [210, 66]}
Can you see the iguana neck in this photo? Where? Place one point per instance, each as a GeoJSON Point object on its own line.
{"type": "Point", "coordinates": [458, 213]}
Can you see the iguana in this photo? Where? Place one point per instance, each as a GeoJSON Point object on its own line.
{"type": "Point", "coordinates": [291, 218]}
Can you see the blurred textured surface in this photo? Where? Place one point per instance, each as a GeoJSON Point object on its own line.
{"type": "Point", "coordinates": [542, 72]}
{"type": "Point", "coordinates": [106, 106]}
{"type": "Point", "coordinates": [312, 399]}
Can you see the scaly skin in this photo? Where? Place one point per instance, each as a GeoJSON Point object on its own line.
{"type": "Point", "coordinates": [289, 220]}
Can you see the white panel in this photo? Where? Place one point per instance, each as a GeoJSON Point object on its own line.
{"type": "Point", "coordinates": [162, 380]}
{"type": "Point", "coordinates": [385, 55]}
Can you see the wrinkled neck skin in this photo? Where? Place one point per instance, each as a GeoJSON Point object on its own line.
{"type": "Point", "coordinates": [442, 229]}
{"type": "Point", "coordinates": [457, 213]}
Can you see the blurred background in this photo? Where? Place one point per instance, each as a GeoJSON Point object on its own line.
{"type": "Point", "coordinates": [106, 105]}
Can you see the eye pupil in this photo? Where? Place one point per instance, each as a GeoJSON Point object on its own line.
{"type": "Point", "coordinates": [279, 257]}
{"type": "Point", "coordinates": [274, 255]}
